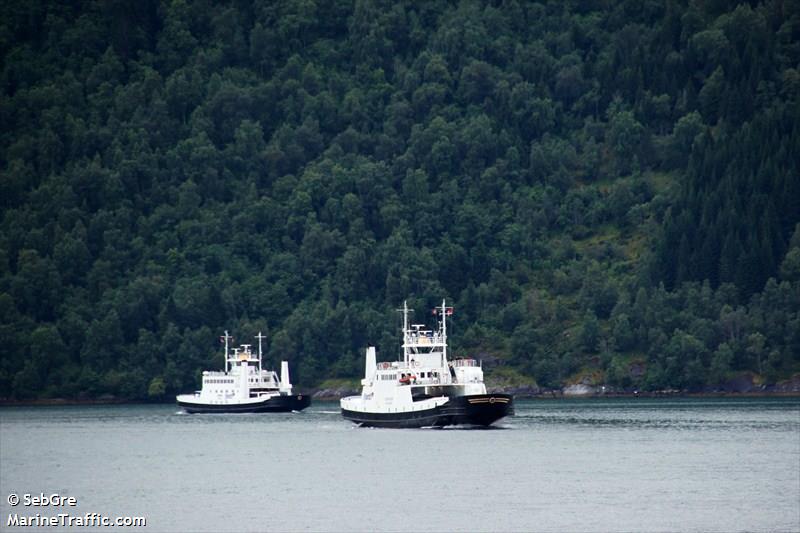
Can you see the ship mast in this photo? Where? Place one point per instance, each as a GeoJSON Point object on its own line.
{"type": "Point", "coordinates": [259, 337]}
{"type": "Point", "coordinates": [226, 350]}
{"type": "Point", "coordinates": [405, 331]}
{"type": "Point", "coordinates": [444, 332]}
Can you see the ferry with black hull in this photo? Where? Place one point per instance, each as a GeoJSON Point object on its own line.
{"type": "Point", "coordinates": [424, 389]}
{"type": "Point", "coordinates": [244, 387]}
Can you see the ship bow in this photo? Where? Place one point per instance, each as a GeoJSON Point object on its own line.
{"type": "Point", "coordinates": [482, 409]}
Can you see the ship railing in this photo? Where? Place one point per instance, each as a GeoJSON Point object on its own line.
{"type": "Point", "coordinates": [392, 365]}
{"type": "Point", "coordinates": [427, 381]}
{"type": "Point", "coordinates": [464, 362]}
{"type": "Point", "coordinates": [413, 338]}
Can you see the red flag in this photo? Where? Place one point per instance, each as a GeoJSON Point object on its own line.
{"type": "Point", "coordinates": [449, 311]}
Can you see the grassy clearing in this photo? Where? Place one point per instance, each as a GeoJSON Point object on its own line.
{"type": "Point", "coordinates": [660, 181]}
{"type": "Point", "coordinates": [587, 376]}
{"type": "Point", "coordinates": [340, 383]}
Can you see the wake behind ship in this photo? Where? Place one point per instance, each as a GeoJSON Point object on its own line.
{"type": "Point", "coordinates": [424, 389]}
{"type": "Point", "coordinates": [244, 387]}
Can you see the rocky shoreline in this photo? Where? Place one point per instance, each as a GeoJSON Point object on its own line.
{"type": "Point", "coordinates": [535, 393]}
{"type": "Point", "coordinates": [745, 385]}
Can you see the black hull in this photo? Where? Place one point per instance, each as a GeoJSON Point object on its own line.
{"type": "Point", "coordinates": [275, 404]}
{"type": "Point", "coordinates": [473, 410]}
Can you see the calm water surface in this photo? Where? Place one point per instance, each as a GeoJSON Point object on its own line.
{"type": "Point", "coordinates": [558, 465]}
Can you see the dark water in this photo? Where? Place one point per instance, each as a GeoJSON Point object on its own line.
{"type": "Point", "coordinates": [599, 465]}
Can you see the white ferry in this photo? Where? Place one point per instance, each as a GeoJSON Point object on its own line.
{"type": "Point", "coordinates": [424, 389]}
{"type": "Point", "coordinates": [244, 387]}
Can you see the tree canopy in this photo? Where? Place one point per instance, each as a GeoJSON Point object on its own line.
{"type": "Point", "coordinates": [596, 187]}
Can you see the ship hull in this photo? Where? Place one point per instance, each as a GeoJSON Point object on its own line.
{"type": "Point", "coordinates": [274, 404]}
{"type": "Point", "coordinates": [472, 410]}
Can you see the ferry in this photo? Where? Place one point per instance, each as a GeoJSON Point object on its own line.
{"type": "Point", "coordinates": [244, 387]}
{"type": "Point", "coordinates": [424, 389]}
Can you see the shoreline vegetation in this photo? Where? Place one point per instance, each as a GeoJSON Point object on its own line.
{"type": "Point", "coordinates": [744, 386]}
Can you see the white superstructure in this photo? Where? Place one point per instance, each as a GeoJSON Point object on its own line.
{"type": "Point", "coordinates": [243, 385]}
{"type": "Point", "coordinates": [423, 380]}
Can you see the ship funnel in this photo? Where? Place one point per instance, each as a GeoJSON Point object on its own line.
{"type": "Point", "coordinates": [285, 383]}
{"type": "Point", "coordinates": [369, 369]}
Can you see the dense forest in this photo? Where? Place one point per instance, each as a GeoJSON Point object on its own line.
{"type": "Point", "coordinates": [606, 192]}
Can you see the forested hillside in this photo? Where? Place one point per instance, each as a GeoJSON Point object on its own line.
{"type": "Point", "coordinates": [604, 191]}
